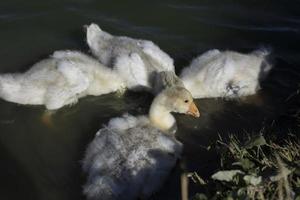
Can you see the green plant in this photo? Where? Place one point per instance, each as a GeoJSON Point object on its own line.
{"type": "Point", "coordinates": [259, 168]}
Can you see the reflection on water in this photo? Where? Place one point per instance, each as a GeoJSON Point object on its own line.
{"type": "Point", "coordinates": [43, 162]}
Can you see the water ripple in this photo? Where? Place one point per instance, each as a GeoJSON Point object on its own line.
{"type": "Point", "coordinates": [120, 24]}
{"type": "Point", "coordinates": [249, 27]}
{"type": "Point", "coordinates": [21, 16]}
{"type": "Point", "coordinates": [188, 7]}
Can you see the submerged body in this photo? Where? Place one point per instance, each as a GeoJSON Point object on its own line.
{"type": "Point", "coordinates": [59, 80]}
{"type": "Point", "coordinates": [132, 156]}
{"type": "Point", "coordinates": [226, 74]}
{"type": "Point", "coordinates": [137, 61]}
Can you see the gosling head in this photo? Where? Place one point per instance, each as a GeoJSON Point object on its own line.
{"type": "Point", "coordinates": [180, 100]}
{"type": "Point", "coordinates": [173, 99]}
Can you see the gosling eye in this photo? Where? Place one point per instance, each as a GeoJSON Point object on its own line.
{"type": "Point", "coordinates": [186, 101]}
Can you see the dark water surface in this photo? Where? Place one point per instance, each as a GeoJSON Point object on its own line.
{"type": "Point", "coordinates": [38, 162]}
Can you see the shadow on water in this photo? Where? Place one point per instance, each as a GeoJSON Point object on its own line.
{"type": "Point", "coordinates": [43, 162]}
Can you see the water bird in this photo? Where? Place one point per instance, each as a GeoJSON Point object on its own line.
{"type": "Point", "coordinates": [137, 61]}
{"type": "Point", "coordinates": [59, 80]}
{"type": "Point", "coordinates": [226, 74]}
{"type": "Point", "coordinates": [132, 156]}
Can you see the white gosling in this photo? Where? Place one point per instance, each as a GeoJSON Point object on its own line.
{"type": "Point", "coordinates": [226, 74]}
{"type": "Point", "coordinates": [132, 156]}
{"type": "Point", "coordinates": [59, 80]}
{"type": "Point", "coordinates": [136, 60]}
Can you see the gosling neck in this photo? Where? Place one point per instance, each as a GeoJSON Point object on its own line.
{"type": "Point", "coordinates": [160, 115]}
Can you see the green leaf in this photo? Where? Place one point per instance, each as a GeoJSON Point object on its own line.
{"type": "Point", "coordinates": [226, 175]}
{"type": "Point", "coordinates": [252, 180]}
{"type": "Point", "coordinates": [245, 163]}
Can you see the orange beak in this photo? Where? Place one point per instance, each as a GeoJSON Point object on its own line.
{"type": "Point", "coordinates": [193, 110]}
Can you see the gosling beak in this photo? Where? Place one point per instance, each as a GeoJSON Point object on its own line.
{"type": "Point", "coordinates": [193, 110]}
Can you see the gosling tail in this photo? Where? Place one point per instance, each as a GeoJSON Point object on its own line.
{"type": "Point", "coordinates": [267, 61]}
{"type": "Point", "coordinates": [262, 51]}
{"type": "Point", "coordinates": [96, 38]}
{"type": "Point", "coordinates": [15, 88]}
{"type": "Point", "coordinates": [10, 88]}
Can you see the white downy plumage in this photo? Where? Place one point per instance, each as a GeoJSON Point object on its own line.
{"type": "Point", "coordinates": [226, 74]}
{"type": "Point", "coordinates": [59, 80]}
{"type": "Point", "coordinates": [132, 156]}
{"type": "Point", "coordinates": [135, 60]}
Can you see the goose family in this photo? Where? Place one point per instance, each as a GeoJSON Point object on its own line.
{"type": "Point", "coordinates": [131, 157]}
{"type": "Point", "coordinates": [59, 80]}
{"type": "Point", "coordinates": [137, 61]}
{"type": "Point", "coordinates": [226, 74]}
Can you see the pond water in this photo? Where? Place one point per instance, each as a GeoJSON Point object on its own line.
{"type": "Point", "coordinates": [40, 162]}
